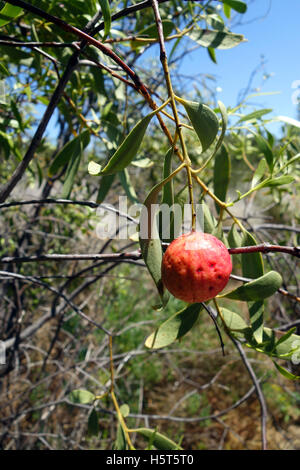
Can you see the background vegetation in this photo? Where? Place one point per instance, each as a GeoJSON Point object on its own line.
{"type": "Point", "coordinates": [76, 310]}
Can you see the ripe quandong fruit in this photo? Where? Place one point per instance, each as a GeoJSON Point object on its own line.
{"type": "Point", "coordinates": [196, 267]}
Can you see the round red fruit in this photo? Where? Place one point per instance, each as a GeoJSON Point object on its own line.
{"type": "Point", "coordinates": [196, 267]}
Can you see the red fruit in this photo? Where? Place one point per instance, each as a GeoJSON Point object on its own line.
{"type": "Point", "coordinates": [196, 267]}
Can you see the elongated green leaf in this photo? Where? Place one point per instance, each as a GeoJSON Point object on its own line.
{"type": "Point", "coordinates": [252, 263]}
{"type": "Point", "coordinates": [285, 372]}
{"type": "Point", "coordinates": [222, 170]}
{"type": "Point", "coordinates": [168, 189]}
{"type": "Point", "coordinates": [128, 148]}
{"type": "Point", "coordinates": [259, 172]}
{"type": "Point", "coordinates": [93, 423]}
{"type": "Point", "coordinates": [236, 5]}
{"type": "Point", "coordinates": [81, 396]}
{"type": "Point", "coordinates": [73, 147]}
{"type": "Point", "coordinates": [255, 115]}
{"type": "Point", "coordinates": [8, 13]}
{"type": "Point", "coordinates": [157, 439]}
{"type": "Point", "coordinates": [174, 327]}
{"type": "Point", "coordinates": [204, 121]}
{"type": "Point", "coordinates": [279, 181]}
{"type": "Point", "coordinates": [127, 185]}
{"type": "Point", "coordinates": [149, 240]}
{"type": "Point", "coordinates": [216, 39]}
{"type": "Point", "coordinates": [227, 10]}
{"type": "Point", "coordinates": [234, 238]}
{"type": "Point", "coordinates": [209, 220]}
{"type": "Point", "coordinates": [151, 33]}
{"type": "Point", "coordinates": [259, 289]}
{"type": "Point", "coordinates": [105, 8]}
{"type": "Point", "coordinates": [233, 320]}
{"type": "Point", "coordinates": [74, 162]}
{"type": "Point", "coordinates": [252, 267]}
{"type": "Point", "coordinates": [105, 185]}
{"type": "Point", "coordinates": [212, 54]}
{"type": "Point", "coordinates": [285, 345]}
{"type": "Point", "coordinates": [256, 315]}
{"type": "Point", "coordinates": [265, 148]}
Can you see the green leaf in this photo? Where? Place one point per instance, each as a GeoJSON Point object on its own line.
{"type": "Point", "coordinates": [216, 39]}
{"type": "Point", "coordinates": [212, 54]}
{"type": "Point", "coordinates": [259, 172]}
{"type": "Point", "coordinates": [279, 181]}
{"type": "Point", "coordinates": [174, 327]}
{"type": "Point", "coordinates": [105, 8]}
{"type": "Point", "coordinates": [222, 170]}
{"type": "Point", "coordinates": [285, 372]}
{"type": "Point", "coordinates": [120, 442]}
{"type": "Point", "coordinates": [93, 423]}
{"type": "Point", "coordinates": [286, 345]}
{"type": "Point", "coordinates": [124, 410]}
{"type": "Point", "coordinates": [204, 121]}
{"type": "Point", "coordinates": [73, 147]}
{"type": "Point", "coordinates": [128, 148]}
{"type": "Point", "coordinates": [8, 13]}
{"type": "Point", "coordinates": [151, 33]}
{"type": "Point", "coordinates": [160, 441]}
{"type": "Point", "coordinates": [256, 314]}
{"type": "Point", "coordinates": [255, 115]}
{"type": "Point", "coordinates": [209, 220]}
{"type": "Point", "coordinates": [265, 148]}
{"type": "Point", "coordinates": [234, 238]}
{"type": "Point", "coordinates": [252, 263]}
{"type": "Point", "coordinates": [258, 289]}
{"type": "Point", "coordinates": [127, 185]}
{"type": "Point", "coordinates": [227, 10]}
{"type": "Point", "coordinates": [74, 162]}
{"type": "Point", "coordinates": [81, 396]}
{"type": "Point", "coordinates": [3, 70]}
{"type": "Point", "coordinates": [105, 185]}
{"type": "Point", "coordinates": [233, 320]}
{"type": "Point", "coordinates": [168, 189]}
{"type": "Point", "coordinates": [236, 5]}
{"type": "Point", "coordinates": [149, 240]}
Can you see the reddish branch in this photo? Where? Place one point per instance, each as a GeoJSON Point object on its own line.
{"type": "Point", "coordinates": [266, 248]}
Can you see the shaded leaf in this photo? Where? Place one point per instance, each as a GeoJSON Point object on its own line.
{"type": "Point", "coordinates": [128, 148]}
{"type": "Point", "coordinates": [174, 327]}
{"type": "Point", "coordinates": [256, 314]}
{"type": "Point", "coordinates": [252, 263]}
{"type": "Point", "coordinates": [204, 121]}
{"type": "Point", "coordinates": [71, 148]}
{"type": "Point", "coordinates": [105, 185]}
{"type": "Point", "coordinates": [265, 148]}
{"type": "Point", "coordinates": [93, 423]}
{"type": "Point", "coordinates": [105, 8]}
{"type": "Point", "coordinates": [151, 32]}
{"type": "Point", "coordinates": [222, 170]}
{"type": "Point", "coordinates": [160, 441]}
{"type": "Point", "coordinates": [259, 172]}
{"type": "Point", "coordinates": [237, 5]}
{"type": "Point", "coordinates": [8, 13]}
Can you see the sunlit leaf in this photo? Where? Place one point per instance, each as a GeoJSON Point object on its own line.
{"type": "Point", "coordinates": [258, 289]}
{"type": "Point", "coordinates": [204, 121]}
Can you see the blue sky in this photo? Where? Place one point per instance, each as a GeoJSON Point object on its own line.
{"type": "Point", "coordinates": [275, 34]}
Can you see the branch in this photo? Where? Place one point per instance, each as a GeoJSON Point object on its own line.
{"type": "Point", "coordinates": [266, 248]}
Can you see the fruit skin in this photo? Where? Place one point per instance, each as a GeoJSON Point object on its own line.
{"type": "Point", "coordinates": [196, 267]}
